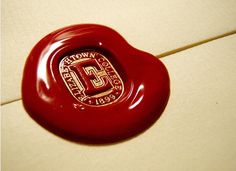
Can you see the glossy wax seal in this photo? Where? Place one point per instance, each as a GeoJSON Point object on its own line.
{"type": "Point", "coordinates": [85, 83]}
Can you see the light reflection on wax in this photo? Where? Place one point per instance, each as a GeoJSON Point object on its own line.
{"type": "Point", "coordinates": [42, 72]}
{"type": "Point", "coordinates": [138, 97]}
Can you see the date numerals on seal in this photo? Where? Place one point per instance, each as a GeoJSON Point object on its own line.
{"type": "Point", "coordinates": [90, 78]}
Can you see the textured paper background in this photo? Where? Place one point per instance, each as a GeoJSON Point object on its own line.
{"type": "Point", "coordinates": [153, 26]}
{"type": "Point", "coordinates": [197, 129]}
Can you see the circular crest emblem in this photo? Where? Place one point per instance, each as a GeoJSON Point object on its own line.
{"type": "Point", "coordinates": [90, 78]}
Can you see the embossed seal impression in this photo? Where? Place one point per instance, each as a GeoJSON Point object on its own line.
{"type": "Point", "coordinates": [91, 78]}
{"type": "Point", "coordinates": [85, 83]}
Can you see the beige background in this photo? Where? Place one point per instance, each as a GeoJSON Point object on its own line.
{"type": "Point", "coordinates": [153, 26]}
{"type": "Point", "coordinates": [197, 129]}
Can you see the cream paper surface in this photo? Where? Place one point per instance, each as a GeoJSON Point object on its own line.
{"type": "Point", "coordinates": [154, 26]}
{"type": "Point", "coordinates": [196, 131]}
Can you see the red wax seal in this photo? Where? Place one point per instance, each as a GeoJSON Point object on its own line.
{"type": "Point", "coordinates": [85, 83]}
